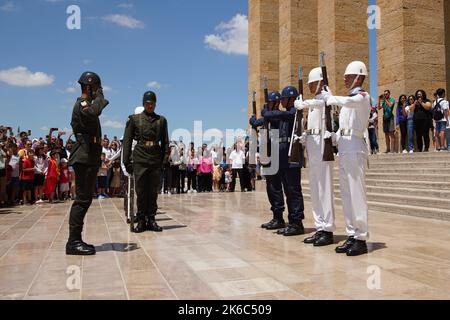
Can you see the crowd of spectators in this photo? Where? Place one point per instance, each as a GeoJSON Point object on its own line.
{"type": "Point", "coordinates": [37, 171]}
{"type": "Point", "coordinates": [409, 122]}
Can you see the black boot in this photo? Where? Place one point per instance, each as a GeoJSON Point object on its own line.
{"type": "Point", "coordinates": [79, 248]}
{"type": "Point", "coordinates": [347, 245]}
{"type": "Point", "coordinates": [265, 225]}
{"type": "Point", "coordinates": [313, 238]}
{"type": "Point", "coordinates": [141, 227]}
{"type": "Point", "coordinates": [277, 222]}
{"type": "Point", "coordinates": [153, 226]}
{"type": "Point", "coordinates": [294, 229]}
{"type": "Point", "coordinates": [358, 248]}
{"type": "Point", "coordinates": [75, 245]}
{"type": "Point", "coordinates": [325, 239]}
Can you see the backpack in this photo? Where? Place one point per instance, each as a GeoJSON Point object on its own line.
{"type": "Point", "coordinates": [437, 112]}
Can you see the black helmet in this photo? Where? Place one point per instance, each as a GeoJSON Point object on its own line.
{"type": "Point", "coordinates": [90, 78]}
{"type": "Point", "coordinates": [149, 96]}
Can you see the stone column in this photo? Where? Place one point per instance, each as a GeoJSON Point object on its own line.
{"type": "Point", "coordinates": [412, 48]}
{"type": "Point", "coordinates": [344, 36]}
{"type": "Point", "coordinates": [298, 40]}
{"type": "Point", "coordinates": [263, 44]}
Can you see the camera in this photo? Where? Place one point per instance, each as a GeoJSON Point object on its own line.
{"type": "Point", "coordinates": [54, 129]}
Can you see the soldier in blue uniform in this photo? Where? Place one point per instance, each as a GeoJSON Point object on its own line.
{"type": "Point", "coordinates": [273, 190]}
{"type": "Point", "coordinates": [289, 174]}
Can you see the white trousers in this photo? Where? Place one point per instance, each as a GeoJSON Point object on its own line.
{"type": "Point", "coordinates": [352, 179]}
{"type": "Point", "coordinates": [321, 186]}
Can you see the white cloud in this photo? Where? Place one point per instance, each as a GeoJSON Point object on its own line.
{"type": "Point", "coordinates": [113, 124]}
{"type": "Point", "coordinates": [8, 7]}
{"type": "Point", "coordinates": [124, 20]}
{"type": "Point", "coordinates": [46, 129]}
{"type": "Point", "coordinates": [22, 77]}
{"type": "Point", "coordinates": [126, 5]}
{"type": "Point", "coordinates": [87, 61]}
{"type": "Point", "coordinates": [154, 85]}
{"type": "Point", "coordinates": [70, 90]}
{"type": "Point", "coordinates": [107, 89]}
{"type": "Point", "coordinates": [232, 37]}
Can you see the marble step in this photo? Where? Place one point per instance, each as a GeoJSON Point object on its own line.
{"type": "Point", "coordinates": [423, 192]}
{"type": "Point", "coordinates": [402, 209]}
{"type": "Point", "coordinates": [410, 176]}
{"type": "Point", "coordinates": [424, 156]}
{"type": "Point", "coordinates": [410, 200]}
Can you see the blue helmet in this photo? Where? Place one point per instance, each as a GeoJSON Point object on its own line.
{"type": "Point", "coordinates": [289, 92]}
{"type": "Point", "coordinates": [274, 96]}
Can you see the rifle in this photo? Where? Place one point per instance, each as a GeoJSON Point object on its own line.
{"type": "Point", "coordinates": [296, 152]}
{"type": "Point", "coordinates": [254, 102]}
{"type": "Point", "coordinates": [266, 124]}
{"type": "Point", "coordinates": [328, 153]}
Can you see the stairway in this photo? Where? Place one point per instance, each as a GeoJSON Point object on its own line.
{"type": "Point", "coordinates": [408, 184]}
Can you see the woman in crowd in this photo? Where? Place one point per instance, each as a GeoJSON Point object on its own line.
{"type": "Point", "coordinates": [410, 116]}
{"type": "Point", "coordinates": [217, 174]}
{"type": "Point", "coordinates": [182, 171]}
{"type": "Point", "coordinates": [192, 164]}
{"type": "Point", "coordinates": [422, 121]}
{"type": "Point", "coordinates": [115, 182]}
{"type": "Point", "coordinates": [3, 163]}
{"type": "Point", "coordinates": [401, 119]}
{"type": "Point", "coordinates": [40, 170]}
{"type": "Point", "coordinates": [205, 170]}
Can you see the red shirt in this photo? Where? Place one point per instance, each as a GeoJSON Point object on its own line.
{"type": "Point", "coordinates": [27, 164]}
{"type": "Point", "coordinates": [52, 171]}
{"type": "Point", "coordinates": [64, 177]}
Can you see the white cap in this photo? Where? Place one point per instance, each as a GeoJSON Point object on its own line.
{"type": "Point", "coordinates": [315, 75]}
{"type": "Point", "coordinates": [139, 110]}
{"type": "Point", "coordinates": [356, 67]}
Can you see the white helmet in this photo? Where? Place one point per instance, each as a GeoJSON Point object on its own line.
{"type": "Point", "coordinates": [139, 110]}
{"type": "Point", "coordinates": [315, 75]}
{"type": "Point", "coordinates": [356, 67]}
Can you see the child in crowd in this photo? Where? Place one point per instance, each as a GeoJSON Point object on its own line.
{"type": "Point", "coordinates": [51, 180]}
{"type": "Point", "coordinates": [27, 176]}
{"type": "Point", "coordinates": [40, 170]}
{"type": "Point", "coordinates": [102, 177]}
{"type": "Point", "coordinates": [228, 178]}
{"type": "Point", "coordinates": [64, 179]}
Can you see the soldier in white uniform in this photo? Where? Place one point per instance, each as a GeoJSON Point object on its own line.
{"type": "Point", "coordinates": [353, 155]}
{"type": "Point", "coordinates": [320, 172]}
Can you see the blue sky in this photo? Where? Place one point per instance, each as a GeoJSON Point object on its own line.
{"type": "Point", "coordinates": [135, 46]}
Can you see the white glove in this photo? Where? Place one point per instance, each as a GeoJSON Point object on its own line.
{"type": "Point", "coordinates": [301, 139]}
{"type": "Point", "coordinates": [299, 104]}
{"type": "Point", "coordinates": [334, 137]}
{"type": "Point", "coordinates": [332, 101]}
{"type": "Point", "coordinates": [327, 89]}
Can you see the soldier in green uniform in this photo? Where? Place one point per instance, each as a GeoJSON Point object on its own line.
{"type": "Point", "coordinates": [150, 154]}
{"type": "Point", "coordinates": [85, 157]}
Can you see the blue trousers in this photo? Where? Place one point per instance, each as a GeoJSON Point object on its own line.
{"type": "Point", "coordinates": [288, 180]}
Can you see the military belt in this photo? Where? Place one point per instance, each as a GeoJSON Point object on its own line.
{"type": "Point", "coordinates": [313, 132]}
{"type": "Point", "coordinates": [352, 133]}
{"type": "Point", "coordinates": [285, 140]}
{"type": "Point", "coordinates": [149, 143]}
